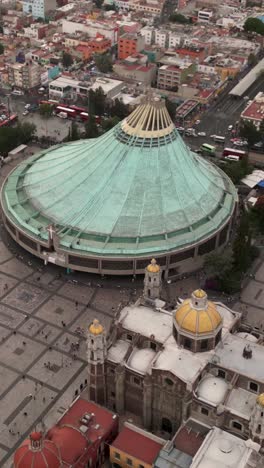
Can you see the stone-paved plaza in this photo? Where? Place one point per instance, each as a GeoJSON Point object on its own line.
{"type": "Point", "coordinates": [43, 311]}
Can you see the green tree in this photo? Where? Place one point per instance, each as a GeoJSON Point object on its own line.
{"type": "Point", "coordinates": [91, 130]}
{"type": "Point", "coordinates": [252, 59]}
{"type": "Point", "coordinates": [119, 109]}
{"type": "Point", "coordinates": [254, 25]}
{"type": "Point", "coordinates": [242, 244]}
{"type": "Point", "coordinates": [261, 129]}
{"type": "Point", "coordinates": [1, 49]}
{"type": "Point", "coordinates": [171, 108]}
{"type": "Point", "coordinates": [104, 62]}
{"type": "Point", "coordinates": [11, 137]}
{"type": "Point", "coordinates": [107, 124]}
{"type": "Point", "coordinates": [45, 110]}
{"type": "Point", "coordinates": [178, 18]}
{"type": "Point", "coordinates": [73, 132]}
{"type": "Point", "coordinates": [250, 132]}
{"type": "Point", "coordinates": [67, 59]}
{"type": "Point", "coordinates": [96, 101]}
{"type": "Point", "coordinates": [218, 264]}
{"type": "Point", "coordinates": [98, 3]}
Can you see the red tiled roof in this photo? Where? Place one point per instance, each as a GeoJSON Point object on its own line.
{"type": "Point", "coordinates": [188, 441]}
{"type": "Point", "coordinates": [137, 445]}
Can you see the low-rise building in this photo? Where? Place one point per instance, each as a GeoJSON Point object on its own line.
{"type": "Point", "coordinates": [137, 68]}
{"type": "Point", "coordinates": [205, 16]}
{"type": "Point", "coordinates": [135, 447]}
{"type": "Point", "coordinates": [254, 112]}
{"type": "Point", "coordinates": [129, 44]}
{"type": "Point", "coordinates": [24, 75]}
{"type": "Point", "coordinates": [171, 76]}
{"type": "Point", "coordinates": [67, 87]}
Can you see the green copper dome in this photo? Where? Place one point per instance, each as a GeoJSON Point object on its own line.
{"type": "Point", "coordinates": [136, 190]}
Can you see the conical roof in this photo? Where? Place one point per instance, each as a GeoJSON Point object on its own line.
{"type": "Point", "coordinates": [137, 189]}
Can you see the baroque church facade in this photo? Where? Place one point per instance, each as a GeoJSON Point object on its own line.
{"type": "Point", "coordinates": [165, 367]}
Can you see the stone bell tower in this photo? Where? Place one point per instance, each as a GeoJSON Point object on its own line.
{"type": "Point", "coordinates": [256, 423]}
{"type": "Point", "coordinates": [96, 355]}
{"type": "Point", "coordinates": [152, 281]}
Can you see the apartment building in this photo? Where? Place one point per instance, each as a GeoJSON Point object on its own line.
{"type": "Point", "coordinates": [24, 75]}
{"type": "Point", "coordinates": [129, 44]}
{"type": "Point", "coordinates": [171, 76]}
{"type": "Point", "coordinates": [39, 8]}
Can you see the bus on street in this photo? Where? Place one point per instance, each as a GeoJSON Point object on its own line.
{"type": "Point", "coordinates": [234, 152]}
{"type": "Point", "coordinates": [208, 149]}
{"type": "Point", "coordinates": [219, 139]}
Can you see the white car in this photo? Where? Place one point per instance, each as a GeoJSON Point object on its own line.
{"type": "Point", "coordinates": [27, 106]}
{"type": "Point", "coordinates": [203, 134]}
{"type": "Point", "coordinates": [229, 128]}
{"type": "Point", "coordinates": [25, 112]}
{"type": "Point", "coordinates": [17, 92]}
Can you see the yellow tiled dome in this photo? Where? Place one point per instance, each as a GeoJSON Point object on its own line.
{"type": "Point", "coordinates": [197, 315]}
{"type": "Point", "coordinates": [260, 400]}
{"type": "Point", "coordinates": [96, 328]}
{"type": "Point", "coordinates": [153, 267]}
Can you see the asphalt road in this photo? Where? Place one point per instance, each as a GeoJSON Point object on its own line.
{"type": "Point", "coordinates": [222, 113]}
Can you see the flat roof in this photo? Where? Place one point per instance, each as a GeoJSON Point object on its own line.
{"type": "Point", "coordinates": [146, 321]}
{"type": "Point", "coordinates": [137, 445]}
{"type": "Point", "coordinates": [221, 449]}
{"type": "Point", "coordinates": [255, 110]}
{"type": "Point", "coordinates": [248, 80]}
{"type": "Point", "coordinates": [254, 178]}
{"type": "Point", "coordinates": [230, 356]}
{"type": "Point", "coordinates": [241, 402]}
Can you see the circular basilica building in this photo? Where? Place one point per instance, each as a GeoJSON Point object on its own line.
{"type": "Point", "coordinates": [108, 205]}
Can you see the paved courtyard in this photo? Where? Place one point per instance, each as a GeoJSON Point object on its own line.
{"type": "Point", "coordinates": [41, 315]}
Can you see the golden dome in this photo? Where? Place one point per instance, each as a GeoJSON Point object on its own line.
{"type": "Point", "coordinates": [153, 267]}
{"type": "Point", "coordinates": [198, 315]}
{"type": "Point", "coordinates": [96, 328]}
{"type": "Point", "coordinates": [260, 400]}
{"type": "Point", "coordinates": [199, 293]}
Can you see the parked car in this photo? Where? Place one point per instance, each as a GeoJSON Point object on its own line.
{"type": "Point", "coordinates": [26, 112]}
{"type": "Point", "coordinates": [17, 92]}
{"type": "Point", "coordinates": [202, 134]}
{"type": "Point", "coordinates": [230, 128]}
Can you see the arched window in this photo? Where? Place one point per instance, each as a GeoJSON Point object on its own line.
{"type": "Point", "coordinates": [166, 425]}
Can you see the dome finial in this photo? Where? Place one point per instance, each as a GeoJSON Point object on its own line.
{"type": "Point", "coordinates": [96, 328]}
{"type": "Point", "coordinates": [153, 267]}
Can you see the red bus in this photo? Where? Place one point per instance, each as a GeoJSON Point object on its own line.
{"type": "Point", "coordinates": [84, 116]}
{"type": "Point", "coordinates": [10, 121]}
{"type": "Point", "coordinates": [70, 112]}
{"type": "Point", "coordinates": [79, 110]}
{"type": "Point", "coordinates": [234, 152]}
{"type": "Point", "coordinates": [50, 102]}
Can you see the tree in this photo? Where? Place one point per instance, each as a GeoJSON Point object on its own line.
{"type": "Point", "coordinates": [45, 110]}
{"type": "Point", "coordinates": [171, 108]}
{"type": "Point", "coordinates": [254, 25]}
{"type": "Point", "coordinates": [250, 133]}
{"type": "Point", "coordinates": [104, 62]}
{"type": "Point", "coordinates": [107, 124]}
{"type": "Point", "coordinates": [261, 129]}
{"type": "Point", "coordinates": [178, 18]}
{"type": "Point", "coordinates": [67, 59]}
{"type": "Point", "coordinates": [242, 244]}
{"type": "Point", "coordinates": [91, 130]}
{"type": "Point", "coordinates": [252, 59]}
{"type": "Point", "coordinates": [119, 109]}
{"type": "Point", "coordinates": [11, 137]}
{"type": "Point", "coordinates": [73, 132]}
{"type": "Point", "coordinates": [96, 101]}
{"type": "Point", "coordinates": [1, 49]}
{"type": "Point", "coordinates": [98, 3]}
{"type": "Point", "coordinates": [218, 264]}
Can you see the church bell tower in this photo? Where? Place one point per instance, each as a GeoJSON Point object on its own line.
{"type": "Point", "coordinates": [256, 423]}
{"type": "Point", "coordinates": [96, 355]}
{"type": "Point", "coordinates": [152, 281]}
